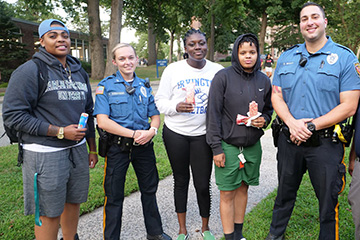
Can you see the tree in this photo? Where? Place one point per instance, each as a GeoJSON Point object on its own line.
{"type": "Point", "coordinates": [12, 52]}
{"type": "Point", "coordinates": [35, 11]}
{"type": "Point", "coordinates": [147, 16]}
{"type": "Point", "coordinates": [115, 30]}
{"type": "Point", "coordinates": [343, 22]}
{"type": "Point", "coordinates": [96, 47]}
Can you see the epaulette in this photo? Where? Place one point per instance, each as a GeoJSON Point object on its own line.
{"type": "Point", "coordinates": [112, 76]}
{"type": "Point", "coordinates": [294, 46]}
{"type": "Point", "coordinates": [146, 82]}
{"type": "Point", "coordinates": [343, 47]}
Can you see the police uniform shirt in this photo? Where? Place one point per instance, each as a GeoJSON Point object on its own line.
{"type": "Point", "coordinates": [314, 89]}
{"type": "Point", "coordinates": [129, 110]}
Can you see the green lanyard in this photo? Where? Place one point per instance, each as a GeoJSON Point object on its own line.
{"type": "Point", "coordinates": [37, 208]}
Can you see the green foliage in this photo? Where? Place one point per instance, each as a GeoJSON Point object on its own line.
{"type": "Point", "coordinates": [12, 52]}
{"type": "Point", "coordinates": [35, 10]}
{"type": "Point", "coordinates": [86, 66]}
{"type": "Point", "coordinates": [343, 22]}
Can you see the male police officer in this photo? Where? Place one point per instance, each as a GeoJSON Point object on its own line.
{"type": "Point", "coordinates": [315, 87]}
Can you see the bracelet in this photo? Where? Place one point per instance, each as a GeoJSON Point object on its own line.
{"type": "Point", "coordinates": [133, 134]}
{"type": "Point", "coordinates": [91, 152]}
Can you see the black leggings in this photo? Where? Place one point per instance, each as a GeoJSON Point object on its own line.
{"type": "Point", "coordinates": [194, 151]}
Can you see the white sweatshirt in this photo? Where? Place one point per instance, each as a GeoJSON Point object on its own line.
{"type": "Point", "coordinates": [175, 78]}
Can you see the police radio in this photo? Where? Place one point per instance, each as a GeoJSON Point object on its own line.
{"type": "Point", "coordinates": [303, 61]}
{"type": "Point", "coordinates": [129, 89]}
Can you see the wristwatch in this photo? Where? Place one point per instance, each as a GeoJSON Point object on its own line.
{"type": "Point", "coordinates": [155, 129]}
{"type": "Point", "coordinates": [60, 134]}
{"type": "Point", "coordinates": [311, 126]}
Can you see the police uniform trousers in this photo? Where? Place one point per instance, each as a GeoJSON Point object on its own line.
{"type": "Point", "coordinates": [327, 175]}
{"type": "Point", "coordinates": [116, 166]}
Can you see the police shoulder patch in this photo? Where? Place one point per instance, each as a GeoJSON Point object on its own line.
{"type": "Point", "coordinates": [357, 68]}
{"type": "Point", "coordinates": [99, 90]}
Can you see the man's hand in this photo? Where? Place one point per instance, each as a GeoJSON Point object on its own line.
{"type": "Point", "coordinates": [298, 130]}
{"type": "Point", "coordinates": [143, 136]}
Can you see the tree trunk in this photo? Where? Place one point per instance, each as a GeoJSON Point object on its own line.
{"type": "Point", "coordinates": [263, 32]}
{"type": "Point", "coordinates": [179, 56]}
{"type": "Point", "coordinates": [151, 43]}
{"type": "Point", "coordinates": [115, 31]}
{"type": "Point", "coordinates": [96, 46]}
{"type": "Point", "coordinates": [212, 36]}
{"type": "Point", "coordinates": [171, 46]}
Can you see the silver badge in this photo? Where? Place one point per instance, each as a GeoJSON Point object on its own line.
{"type": "Point", "coordinates": [143, 91]}
{"type": "Point", "coordinates": [332, 58]}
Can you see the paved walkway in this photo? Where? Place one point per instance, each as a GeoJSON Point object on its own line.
{"type": "Point", "coordinates": [90, 225]}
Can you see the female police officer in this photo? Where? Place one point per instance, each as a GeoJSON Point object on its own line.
{"type": "Point", "coordinates": [122, 108]}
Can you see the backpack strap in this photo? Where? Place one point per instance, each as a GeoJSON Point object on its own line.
{"type": "Point", "coordinates": [42, 76]}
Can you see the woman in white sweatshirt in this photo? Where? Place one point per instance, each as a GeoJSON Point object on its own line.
{"type": "Point", "coordinates": [184, 128]}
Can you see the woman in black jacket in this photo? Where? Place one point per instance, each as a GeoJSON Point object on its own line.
{"type": "Point", "coordinates": [239, 106]}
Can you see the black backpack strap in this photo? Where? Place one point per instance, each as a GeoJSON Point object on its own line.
{"type": "Point", "coordinates": [42, 75]}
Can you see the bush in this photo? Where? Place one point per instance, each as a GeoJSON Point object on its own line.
{"type": "Point", "coordinates": [227, 59]}
{"type": "Point", "coordinates": [86, 66]}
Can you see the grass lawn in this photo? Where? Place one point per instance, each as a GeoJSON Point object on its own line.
{"type": "Point", "coordinates": [304, 223]}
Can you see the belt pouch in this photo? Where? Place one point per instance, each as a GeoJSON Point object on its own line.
{"type": "Point", "coordinates": [126, 144]}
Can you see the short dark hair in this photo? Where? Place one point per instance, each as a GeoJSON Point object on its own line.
{"type": "Point", "coordinates": [313, 4]}
{"type": "Point", "coordinates": [250, 40]}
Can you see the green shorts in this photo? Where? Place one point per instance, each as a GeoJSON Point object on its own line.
{"type": "Point", "coordinates": [231, 176]}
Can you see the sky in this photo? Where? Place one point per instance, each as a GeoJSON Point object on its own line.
{"type": "Point", "coordinates": [127, 34]}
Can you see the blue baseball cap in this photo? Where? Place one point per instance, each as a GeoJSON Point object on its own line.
{"type": "Point", "coordinates": [45, 26]}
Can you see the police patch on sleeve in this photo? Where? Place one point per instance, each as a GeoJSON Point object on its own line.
{"type": "Point", "coordinates": [99, 90]}
{"type": "Point", "coordinates": [143, 91]}
{"type": "Point", "coordinates": [357, 68]}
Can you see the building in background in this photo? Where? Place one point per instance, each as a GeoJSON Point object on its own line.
{"type": "Point", "coordinates": [80, 47]}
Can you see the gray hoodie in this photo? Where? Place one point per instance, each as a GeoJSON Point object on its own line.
{"type": "Point", "coordinates": [231, 91]}
{"type": "Point", "coordinates": [61, 104]}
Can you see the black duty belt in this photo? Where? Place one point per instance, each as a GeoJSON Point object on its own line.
{"type": "Point", "coordinates": [129, 142]}
{"type": "Point", "coordinates": [314, 140]}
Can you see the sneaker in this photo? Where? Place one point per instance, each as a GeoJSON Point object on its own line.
{"type": "Point", "coordinates": [183, 237]}
{"type": "Point", "coordinates": [162, 236]}
{"type": "Point", "coordinates": [207, 235]}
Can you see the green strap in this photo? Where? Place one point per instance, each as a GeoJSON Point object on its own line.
{"type": "Point", "coordinates": [37, 208]}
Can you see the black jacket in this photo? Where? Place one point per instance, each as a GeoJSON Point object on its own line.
{"type": "Point", "coordinates": [231, 91]}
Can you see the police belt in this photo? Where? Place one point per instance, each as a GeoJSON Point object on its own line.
{"type": "Point", "coordinates": [314, 140]}
{"type": "Point", "coordinates": [125, 141]}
